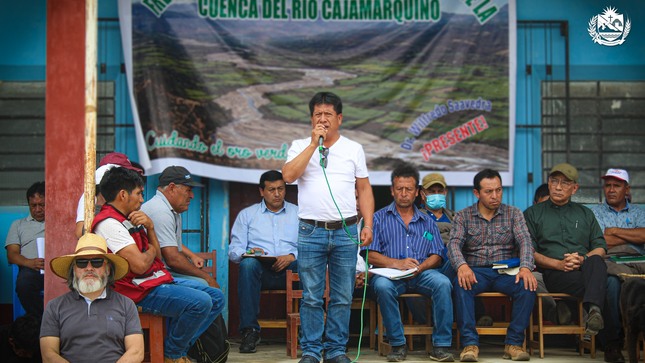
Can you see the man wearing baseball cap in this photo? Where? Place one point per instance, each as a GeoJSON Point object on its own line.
{"type": "Point", "coordinates": [174, 193]}
{"type": "Point", "coordinates": [569, 245]}
{"type": "Point", "coordinates": [92, 321]}
{"type": "Point", "coordinates": [623, 225]}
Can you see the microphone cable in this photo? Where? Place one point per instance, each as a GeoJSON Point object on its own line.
{"type": "Point", "coordinates": [357, 242]}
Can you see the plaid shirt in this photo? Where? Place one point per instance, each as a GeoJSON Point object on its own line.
{"type": "Point", "coordinates": [478, 242]}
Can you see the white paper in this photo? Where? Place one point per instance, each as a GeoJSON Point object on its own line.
{"type": "Point", "coordinates": [394, 274]}
{"type": "Point", "coordinates": [40, 244]}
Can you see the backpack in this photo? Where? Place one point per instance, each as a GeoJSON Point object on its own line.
{"type": "Point", "coordinates": [212, 346]}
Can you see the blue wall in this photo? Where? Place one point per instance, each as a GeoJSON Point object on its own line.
{"type": "Point", "coordinates": [23, 35]}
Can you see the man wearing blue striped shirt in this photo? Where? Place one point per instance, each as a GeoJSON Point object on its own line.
{"type": "Point", "coordinates": [406, 238]}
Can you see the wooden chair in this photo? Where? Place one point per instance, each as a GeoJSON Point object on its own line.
{"type": "Point", "coordinates": [370, 306]}
{"type": "Point", "coordinates": [272, 323]}
{"type": "Point", "coordinates": [155, 324]}
{"type": "Point", "coordinates": [542, 329]}
{"type": "Point", "coordinates": [498, 328]}
{"type": "Point", "coordinates": [410, 328]}
{"type": "Point", "coordinates": [294, 295]}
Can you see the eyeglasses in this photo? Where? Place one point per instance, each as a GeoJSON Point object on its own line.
{"type": "Point", "coordinates": [96, 262]}
{"type": "Point", "coordinates": [564, 183]}
{"type": "Point", "coordinates": [324, 153]}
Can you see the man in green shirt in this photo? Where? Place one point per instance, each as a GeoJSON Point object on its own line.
{"type": "Point", "coordinates": [569, 245]}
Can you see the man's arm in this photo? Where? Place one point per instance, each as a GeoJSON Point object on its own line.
{"type": "Point", "coordinates": [179, 263]}
{"type": "Point", "coordinates": [139, 218]}
{"type": "Point", "coordinates": [619, 236]}
{"type": "Point", "coordinates": [133, 349]}
{"type": "Point", "coordinates": [380, 260]}
{"type": "Point", "coordinates": [366, 205]}
{"type": "Point", "coordinates": [50, 350]}
{"type": "Point", "coordinates": [293, 169]}
{"type": "Point", "coordinates": [14, 256]}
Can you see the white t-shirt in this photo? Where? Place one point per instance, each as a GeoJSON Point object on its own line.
{"type": "Point", "coordinates": [115, 234]}
{"type": "Point", "coordinates": [346, 162]}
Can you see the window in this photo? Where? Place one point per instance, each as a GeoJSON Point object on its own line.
{"type": "Point", "coordinates": [606, 129]}
{"type": "Point", "coordinates": [22, 141]}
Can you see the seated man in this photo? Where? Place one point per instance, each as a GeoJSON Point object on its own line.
{"type": "Point", "coordinates": [623, 226]}
{"type": "Point", "coordinates": [173, 197]}
{"type": "Point", "coordinates": [267, 228]}
{"type": "Point", "coordinates": [91, 323]}
{"type": "Point", "coordinates": [22, 250]}
{"type": "Point", "coordinates": [482, 234]}
{"type": "Point", "coordinates": [406, 238]}
{"type": "Point", "coordinates": [569, 246]}
{"type": "Point", "coordinates": [190, 306]}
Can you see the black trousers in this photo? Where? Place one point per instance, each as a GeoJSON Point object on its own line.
{"type": "Point", "coordinates": [589, 283]}
{"type": "Point", "coordinates": [29, 287]}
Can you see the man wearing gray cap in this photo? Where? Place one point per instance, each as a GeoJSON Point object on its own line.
{"type": "Point", "coordinates": [569, 245]}
{"type": "Point", "coordinates": [174, 193]}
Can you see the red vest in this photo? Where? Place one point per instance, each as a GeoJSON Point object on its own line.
{"type": "Point", "coordinates": [153, 277]}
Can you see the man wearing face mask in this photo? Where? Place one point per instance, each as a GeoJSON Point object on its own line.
{"type": "Point", "coordinates": [433, 195]}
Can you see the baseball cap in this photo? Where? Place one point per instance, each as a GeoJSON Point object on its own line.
{"type": "Point", "coordinates": [177, 175]}
{"type": "Point", "coordinates": [618, 174]}
{"type": "Point", "coordinates": [431, 179]}
{"type": "Point", "coordinates": [567, 170]}
{"type": "Point", "coordinates": [119, 159]}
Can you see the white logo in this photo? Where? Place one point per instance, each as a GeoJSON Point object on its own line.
{"type": "Point", "coordinates": [609, 28]}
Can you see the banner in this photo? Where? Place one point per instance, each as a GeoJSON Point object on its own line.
{"type": "Point", "coordinates": [222, 86]}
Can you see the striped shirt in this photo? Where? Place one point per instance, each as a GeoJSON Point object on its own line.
{"type": "Point", "coordinates": [479, 242]}
{"type": "Point", "coordinates": [418, 240]}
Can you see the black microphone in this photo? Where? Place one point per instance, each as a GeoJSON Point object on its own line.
{"type": "Point", "coordinates": [320, 141]}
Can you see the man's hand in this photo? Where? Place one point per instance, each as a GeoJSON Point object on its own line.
{"type": "Point", "coordinates": [530, 283]}
{"type": "Point", "coordinates": [359, 282]}
{"type": "Point", "coordinates": [197, 261]}
{"type": "Point", "coordinates": [466, 277]}
{"type": "Point", "coordinates": [366, 237]}
{"type": "Point", "coordinates": [571, 262]}
{"type": "Point", "coordinates": [282, 262]}
{"type": "Point", "coordinates": [406, 264]}
{"type": "Point", "coordinates": [138, 218]}
{"type": "Point", "coordinates": [37, 263]}
{"type": "Point", "coordinates": [212, 282]}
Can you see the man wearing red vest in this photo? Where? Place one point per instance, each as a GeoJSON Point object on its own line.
{"type": "Point", "coordinates": [190, 306]}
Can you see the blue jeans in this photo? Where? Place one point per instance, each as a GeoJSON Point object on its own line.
{"type": "Point", "coordinates": [489, 280]}
{"type": "Point", "coordinates": [319, 248]}
{"type": "Point", "coordinates": [254, 277]}
{"type": "Point", "coordinates": [190, 306]}
{"type": "Point", "coordinates": [611, 313]}
{"type": "Point", "coordinates": [430, 283]}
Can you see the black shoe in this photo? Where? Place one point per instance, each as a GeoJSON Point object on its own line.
{"type": "Point", "coordinates": [339, 359]}
{"type": "Point", "coordinates": [308, 359]}
{"type": "Point", "coordinates": [398, 354]}
{"type": "Point", "coordinates": [250, 339]}
{"type": "Point", "coordinates": [441, 354]}
{"type": "Point", "coordinates": [613, 354]}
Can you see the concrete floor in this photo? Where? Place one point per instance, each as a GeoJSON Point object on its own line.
{"type": "Point", "coordinates": [491, 350]}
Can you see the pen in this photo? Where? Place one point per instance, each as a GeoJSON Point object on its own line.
{"type": "Point", "coordinates": [576, 224]}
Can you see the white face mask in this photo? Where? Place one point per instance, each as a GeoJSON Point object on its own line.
{"type": "Point", "coordinates": [436, 201]}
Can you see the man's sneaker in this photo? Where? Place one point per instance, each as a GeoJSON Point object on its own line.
{"type": "Point", "coordinates": [564, 313]}
{"type": "Point", "coordinates": [594, 322]}
{"type": "Point", "coordinates": [339, 359]}
{"type": "Point", "coordinates": [514, 352]}
{"type": "Point", "coordinates": [398, 354]}
{"type": "Point", "coordinates": [250, 339]}
{"type": "Point", "coordinates": [308, 359]}
{"type": "Point", "coordinates": [441, 354]}
{"type": "Point", "coordinates": [469, 354]}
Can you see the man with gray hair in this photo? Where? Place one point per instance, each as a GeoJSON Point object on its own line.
{"type": "Point", "coordinates": [91, 322]}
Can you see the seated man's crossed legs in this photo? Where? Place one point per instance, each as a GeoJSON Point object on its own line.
{"type": "Point", "coordinates": [191, 308]}
{"type": "Point", "coordinates": [430, 283]}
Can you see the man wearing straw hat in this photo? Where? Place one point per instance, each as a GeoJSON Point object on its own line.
{"type": "Point", "coordinates": [91, 322]}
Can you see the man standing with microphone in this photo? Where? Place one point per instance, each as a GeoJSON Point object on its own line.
{"type": "Point", "coordinates": [328, 168]}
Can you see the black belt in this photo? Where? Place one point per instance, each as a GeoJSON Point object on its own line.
{"type": "Point", "coordinates": [331, 224]}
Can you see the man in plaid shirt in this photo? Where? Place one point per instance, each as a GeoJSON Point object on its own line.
{"type": "Point", "coordinates": [482, 234]}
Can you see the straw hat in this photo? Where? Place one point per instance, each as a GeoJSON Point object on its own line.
{"type": "Point", "coordinates": [90, 245]}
